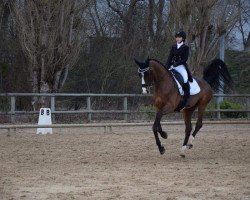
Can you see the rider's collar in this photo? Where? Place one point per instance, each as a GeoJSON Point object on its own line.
{"type": "Point", "coordinates": [179, 45]}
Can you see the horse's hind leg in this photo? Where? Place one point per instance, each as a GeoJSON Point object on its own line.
{"type": "Point", "coordinates": [188, 128]}
{"type": "Point", "coordinates": [157, 128]}
{"type": "Point", "coordinates": [201, 110]}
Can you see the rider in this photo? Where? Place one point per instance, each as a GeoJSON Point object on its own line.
{"type": "Point", "coordinates": [177, 60]}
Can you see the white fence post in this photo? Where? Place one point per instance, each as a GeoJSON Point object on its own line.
{"type": "Point", "coordinates": [12, 108]}
{"type": "Point", "coordinates": [89, 108]}
{"type": "Point", "coordinates": [52, 107]}
{"type": "Point", "coordinates": [218, 106]}
{"type": "Point", "coordinates": [125, 108]}
{"type": "Point", "coordinates": [248, 107]}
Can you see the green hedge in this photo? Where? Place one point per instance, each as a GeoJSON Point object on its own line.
{"type": "Point", "coordinates": [148, 109]}
{"type": "Point", "coordinates": [232, 105]}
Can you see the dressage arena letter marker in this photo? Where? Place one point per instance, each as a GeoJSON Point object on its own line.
{"type": "Point", "coordinates": [44, 119]}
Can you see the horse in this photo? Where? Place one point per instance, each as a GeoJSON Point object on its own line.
{"type": "Point", "coordinates": [167, 97]}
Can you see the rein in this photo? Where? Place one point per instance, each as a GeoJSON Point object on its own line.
{"type": "Point", "coordinates": [142, 71]}
{"type": "Point", "coordinates": [170, 73]}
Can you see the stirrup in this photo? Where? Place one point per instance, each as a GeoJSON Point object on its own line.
{"type": "Point", "coordinates": [183, 109]}
{"type": "Point", "coordinates": [186, 106]}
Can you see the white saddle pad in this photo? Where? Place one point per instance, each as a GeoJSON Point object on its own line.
{"type": "Point", "coordinates": [194, 87]}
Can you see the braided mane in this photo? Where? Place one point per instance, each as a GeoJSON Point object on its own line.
{"type": "Point", "coordinates": [157, 61]}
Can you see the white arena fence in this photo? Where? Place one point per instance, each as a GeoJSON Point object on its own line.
{"type": "Point", "coordinates": [89, 110]}
{"type": "Point", "coordinates": [108, 126]}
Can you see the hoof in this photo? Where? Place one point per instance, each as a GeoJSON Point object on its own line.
{"type": "Point", "coordinates": [164, 134]}
{"type": "Point", "coordinates": [183, 155]}
{"type": "Point", "coordinates": [183, 151]}
{"type": "Point", "coordinates": [162, 150]}
{"type": "Point", "coordinates": [189, 146]}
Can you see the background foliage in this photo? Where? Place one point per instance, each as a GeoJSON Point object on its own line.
{"type": "Point", "coordinates": [88, 46]}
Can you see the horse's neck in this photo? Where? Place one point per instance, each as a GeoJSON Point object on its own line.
{"type": "Point", "coordinates": [160, 73]}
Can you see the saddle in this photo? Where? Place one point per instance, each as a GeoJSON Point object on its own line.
{"type": "Point", "coordinates": [194, 87]}
{"type": "Point", "coordinates": [177, 76]}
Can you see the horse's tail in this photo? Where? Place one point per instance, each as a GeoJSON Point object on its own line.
{"type": "Point", "coordinates": [217, 75]}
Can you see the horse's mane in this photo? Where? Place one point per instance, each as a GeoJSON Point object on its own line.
{"type": "Point", "coordinates": [157, 61]}
{"type": "Point", "coordinates": [162, 65]}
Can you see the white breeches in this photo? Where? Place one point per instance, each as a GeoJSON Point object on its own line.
{"type": "Point", "coordinates": [181, 69]}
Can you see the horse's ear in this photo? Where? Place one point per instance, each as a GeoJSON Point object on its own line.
{"type": "Point", "coordinates": [140, 64]}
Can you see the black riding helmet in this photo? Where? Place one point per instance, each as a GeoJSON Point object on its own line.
{"type": "Point", "coordinates": [181, 34]}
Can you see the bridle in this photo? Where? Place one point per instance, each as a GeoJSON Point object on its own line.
{"type": "Point", "coordinates": [143, 83]}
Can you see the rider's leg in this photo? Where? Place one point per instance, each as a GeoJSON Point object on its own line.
{"type": "Point", "coordinates": [182, 70]}
{"type": "Point", "coordinates": [186, 87]}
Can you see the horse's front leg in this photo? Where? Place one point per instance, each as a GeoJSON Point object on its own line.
{"type": "Point", "coordinates": [157, 128]}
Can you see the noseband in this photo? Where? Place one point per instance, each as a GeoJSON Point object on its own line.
{"type": "Point", "coordinates": [141, 72]}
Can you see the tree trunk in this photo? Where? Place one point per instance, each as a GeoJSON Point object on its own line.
{"type": "Point", "coordinates": [35, 83]}
{"type": "Point", "coordinates": [247, 43]}
{"type": "Point", "coordinates": [4, 18]}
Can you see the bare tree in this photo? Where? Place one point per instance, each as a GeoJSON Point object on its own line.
{"type": "Point", "coordinates": [7, 43]}
{"type": "Point", "coordinates": [49, 35]}
{"type": "Point", "coordinates": [204, 22]}
{"type": "Point", "coordinates": [96, 19]}
{"type": "Point", "coordinates": [244, 22]}
{"type": "Point", "coordinates": [126, 12]}
{"type": "Point", "coordinates": [156, 22]}
{"type": "Point", "coordinates": [4, 14]}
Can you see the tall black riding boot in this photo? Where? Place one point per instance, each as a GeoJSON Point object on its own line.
{"type": "Point", "coordinates": [186, 89]}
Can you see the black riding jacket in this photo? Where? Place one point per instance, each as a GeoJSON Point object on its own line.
{"type": "Point", "coordinates": [178, 56]}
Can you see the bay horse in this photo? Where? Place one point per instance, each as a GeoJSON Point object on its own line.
{"type": "Point", "coordinates": [167, 96]}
